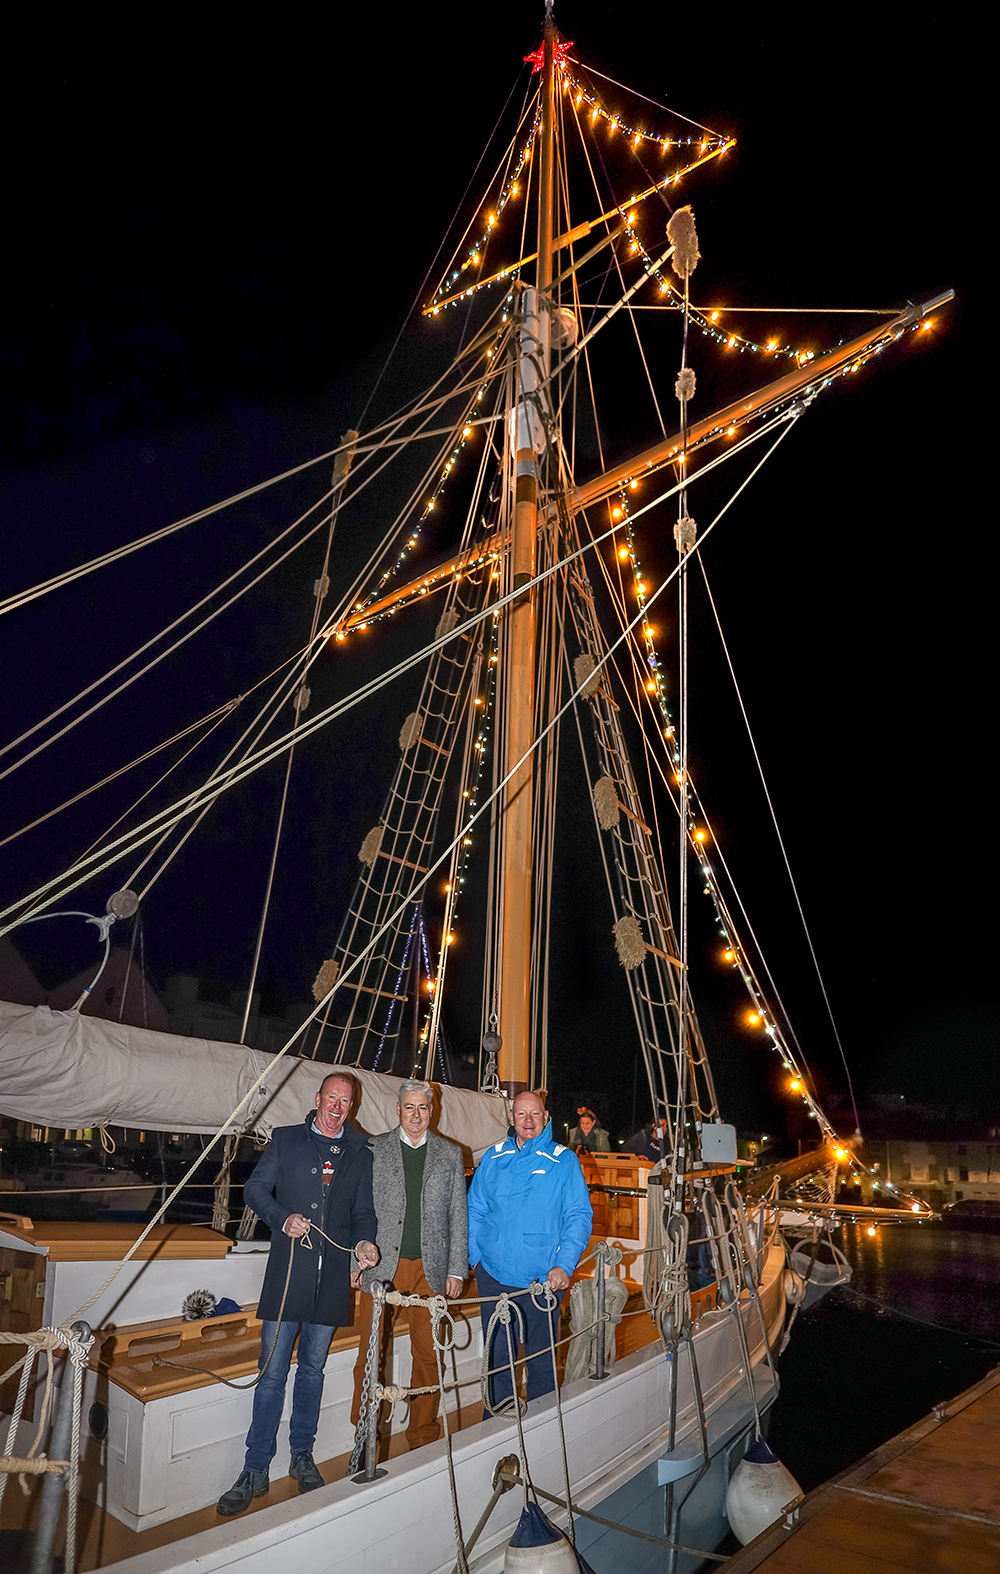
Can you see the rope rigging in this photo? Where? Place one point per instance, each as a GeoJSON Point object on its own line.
{"type": "Point", "coordinates": [223, 780]}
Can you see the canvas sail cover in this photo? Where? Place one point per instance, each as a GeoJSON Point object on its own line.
{"type": "Point", "coordinates": [58, 1068]}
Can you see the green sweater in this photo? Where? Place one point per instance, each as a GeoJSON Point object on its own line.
{"type": "Point", "coordinates": [413, 1172]}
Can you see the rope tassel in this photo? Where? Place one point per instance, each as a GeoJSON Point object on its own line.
{"type": "Point", "coordinates": [446, 622]}
{"type": "Point", "coordinates": [606, 805]}
{"type": "Point", "coordinates": [410, 730]}
{"type": "Point", "coordinates": [371, 844]}
{"type": "Point", "coordinates": [683, 236]}
{"type": "Point", "coordinates": [325, 979]}
{"type": "Point", "coordinates": [629, 942]}
{"type": "Point", "coordinates": [587, 680]}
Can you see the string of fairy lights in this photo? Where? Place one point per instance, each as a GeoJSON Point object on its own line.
{"type": "Point", "coordinates": [759, 1016]}
{"type": "Point", "coordinates": [616, 122]}
{"type": "Point", "coordinates": [510, 190]}
{"type": "Point", "coordinates": [462, 440]}
{"type": "Point", "coordinates": [485, 702]}
{"type": "Point", "coordinates": [413, 539]}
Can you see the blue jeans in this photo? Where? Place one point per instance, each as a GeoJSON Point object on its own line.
{"type": "Point", "coordinates": [269, 1395]}
{"type": "Point", "coordinates": [539, 1329]}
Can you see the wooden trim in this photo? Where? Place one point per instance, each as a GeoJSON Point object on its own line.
{"type": "Point", "coordinates": [395, 858]}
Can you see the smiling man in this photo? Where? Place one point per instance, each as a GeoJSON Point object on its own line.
{"type": "Point", "coordinates": [317, 1173]}
{"type": "Point", "coordinates": [529, 1219]}
{"type": "Point", "coordinates": [419, 1191]}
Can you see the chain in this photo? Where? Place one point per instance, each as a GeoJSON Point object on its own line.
{"type": "Point", "coordinates": [369, 1397]}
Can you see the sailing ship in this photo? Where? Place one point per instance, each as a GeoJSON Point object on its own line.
{"type": "Point", "coordinates": [546, 643]}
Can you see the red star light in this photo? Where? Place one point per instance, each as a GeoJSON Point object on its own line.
{"type": "Point", "coordinates": [559, 53]}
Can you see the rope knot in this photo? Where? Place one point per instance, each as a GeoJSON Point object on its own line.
{"type": "Point", "coordinates": [550, 1301]}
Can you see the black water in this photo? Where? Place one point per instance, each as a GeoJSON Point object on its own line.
{"type": "Point", "coordinates": [920, 1323]}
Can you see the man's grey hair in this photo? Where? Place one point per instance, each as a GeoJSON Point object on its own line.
{"type": "Point", "coordinates": [412, 1086]}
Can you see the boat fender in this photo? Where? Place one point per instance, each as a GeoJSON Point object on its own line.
{"type": "Point", "coordinates": [794, 1287]}
{"type": "Point", "coordinates": [537, 1547]}
{"type": "Point", "coordinates": [759, 1489]}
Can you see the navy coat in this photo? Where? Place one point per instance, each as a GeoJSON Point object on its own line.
{"type": "Point", "coordinates": [287, 1180]}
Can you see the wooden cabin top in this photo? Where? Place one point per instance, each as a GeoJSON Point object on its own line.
{"type": "Point", "coordinates": [78, 1241]}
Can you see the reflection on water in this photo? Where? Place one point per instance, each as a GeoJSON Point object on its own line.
{"type": "Point", "coordinates": [950, 1276]}
{"type": "Point", "coordinates": [856, 1372]}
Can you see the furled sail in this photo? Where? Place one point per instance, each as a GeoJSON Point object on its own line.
{"type": "Point", "coordinates": [58, 1068]}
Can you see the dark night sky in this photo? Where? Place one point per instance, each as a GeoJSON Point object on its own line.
{"type": "Point", "coordinates": [214, 238]}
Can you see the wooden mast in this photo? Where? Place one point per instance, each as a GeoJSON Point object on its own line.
{"type": "Point", "coordinates": [519, 680]}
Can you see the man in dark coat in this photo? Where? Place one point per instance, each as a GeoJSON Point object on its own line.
{"type": "Point", "coordinates": [317, 1173]}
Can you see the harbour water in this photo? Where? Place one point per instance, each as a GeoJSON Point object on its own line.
{"type": "Point", "coordinates": [919, 1323]}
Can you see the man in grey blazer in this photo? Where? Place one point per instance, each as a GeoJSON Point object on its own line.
{"type": "Point", "coordinates": [418, 1183]}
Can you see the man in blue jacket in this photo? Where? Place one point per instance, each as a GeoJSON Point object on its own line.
{"type": "Point", "coordinates": [529, 1219]}
{"type": "Point", "coordinates": [317, 1173]}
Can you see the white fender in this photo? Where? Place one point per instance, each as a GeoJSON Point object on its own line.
{"type": "Point", "coordinates": [537, 1547]}
{"type": "Point", "coordinates": [557, 1558]}
{"type": "Point", "coordinates": [794, 1286]}
{"type": "Point", "coordinates": [760, 1487]}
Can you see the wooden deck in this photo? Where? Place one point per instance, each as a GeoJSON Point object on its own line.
{"type": "Point", "coordinates": [928, 1502]}
{"type": "Point", "coordinates": [102, 1538]}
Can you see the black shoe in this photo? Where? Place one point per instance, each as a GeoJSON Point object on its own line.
{"type": "Point", "coordinates": [303, 1470]}
{"type": "Point", "coordinates": [251, 1484]}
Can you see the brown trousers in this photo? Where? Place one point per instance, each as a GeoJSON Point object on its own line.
{"type": "Point", "coordinates": [423, 1425]}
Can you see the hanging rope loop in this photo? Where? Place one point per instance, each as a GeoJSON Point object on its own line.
{"type": "Point", "coordinates": [550, 1300]}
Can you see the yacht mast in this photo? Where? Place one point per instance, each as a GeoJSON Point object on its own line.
{"type": "Point", "coordinates": [514, 1059]}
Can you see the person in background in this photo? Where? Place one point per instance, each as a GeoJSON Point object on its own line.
{"type": "Point", "coordinates": [649, 1142]}
{"type": "Point", "coordinates": [319, 1172]}
{"type": "Point", "coordinates": [418, 1182]}
{"type": "Point", "coordinates": [529, 1220]}
{"type": "Point", "coordinates": [588, 1134]}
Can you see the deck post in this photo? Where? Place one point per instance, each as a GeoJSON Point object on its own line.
{"type": "Point", "coordinates": [601, 1253]}
{"type": "Point", "coordinates": [53, 1482]}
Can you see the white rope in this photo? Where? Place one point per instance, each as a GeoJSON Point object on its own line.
{"type": "Point", "coordinates": [78, 1357]}
{"type": "Point", "coordinates": [439, 1314]}
{"type": "Point", "coordinates": [26, 1363]}
{"type": "Point", "coordinates": [781, 844]}
{"type": "Point", "coordinates": [140, 759]}
{"type": "Point", "coordinates": [194, 800]}
{"type": "Point", "coordinates": [140, 650]}
{"type": "Point", "coordinates": [549, 1308]}
{"type": "Point", "coordinates": [22, 597]}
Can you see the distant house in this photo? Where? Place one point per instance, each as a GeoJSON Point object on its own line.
{"type": "Point", "coordinates": [222, 1020]}
{"type": "Point", "coordinates": [123, 993]}
{"type": "Point", "coordinates": [947, 1170]}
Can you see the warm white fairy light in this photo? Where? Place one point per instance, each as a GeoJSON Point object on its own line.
{"type": "Point", "coordinates": [760, 1015]}
{"type": "Point", "coordinates": [510, 190]}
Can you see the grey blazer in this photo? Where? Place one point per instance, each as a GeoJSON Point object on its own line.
{"type": "Point", "coordinates": [444, 1217]}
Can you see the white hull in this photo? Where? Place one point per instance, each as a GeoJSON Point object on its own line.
{"type": "Point", "coordinates": [404, 1522]}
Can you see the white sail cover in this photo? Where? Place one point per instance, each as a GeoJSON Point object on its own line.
{"type": "Point", "coordinates": [58, 1068]}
